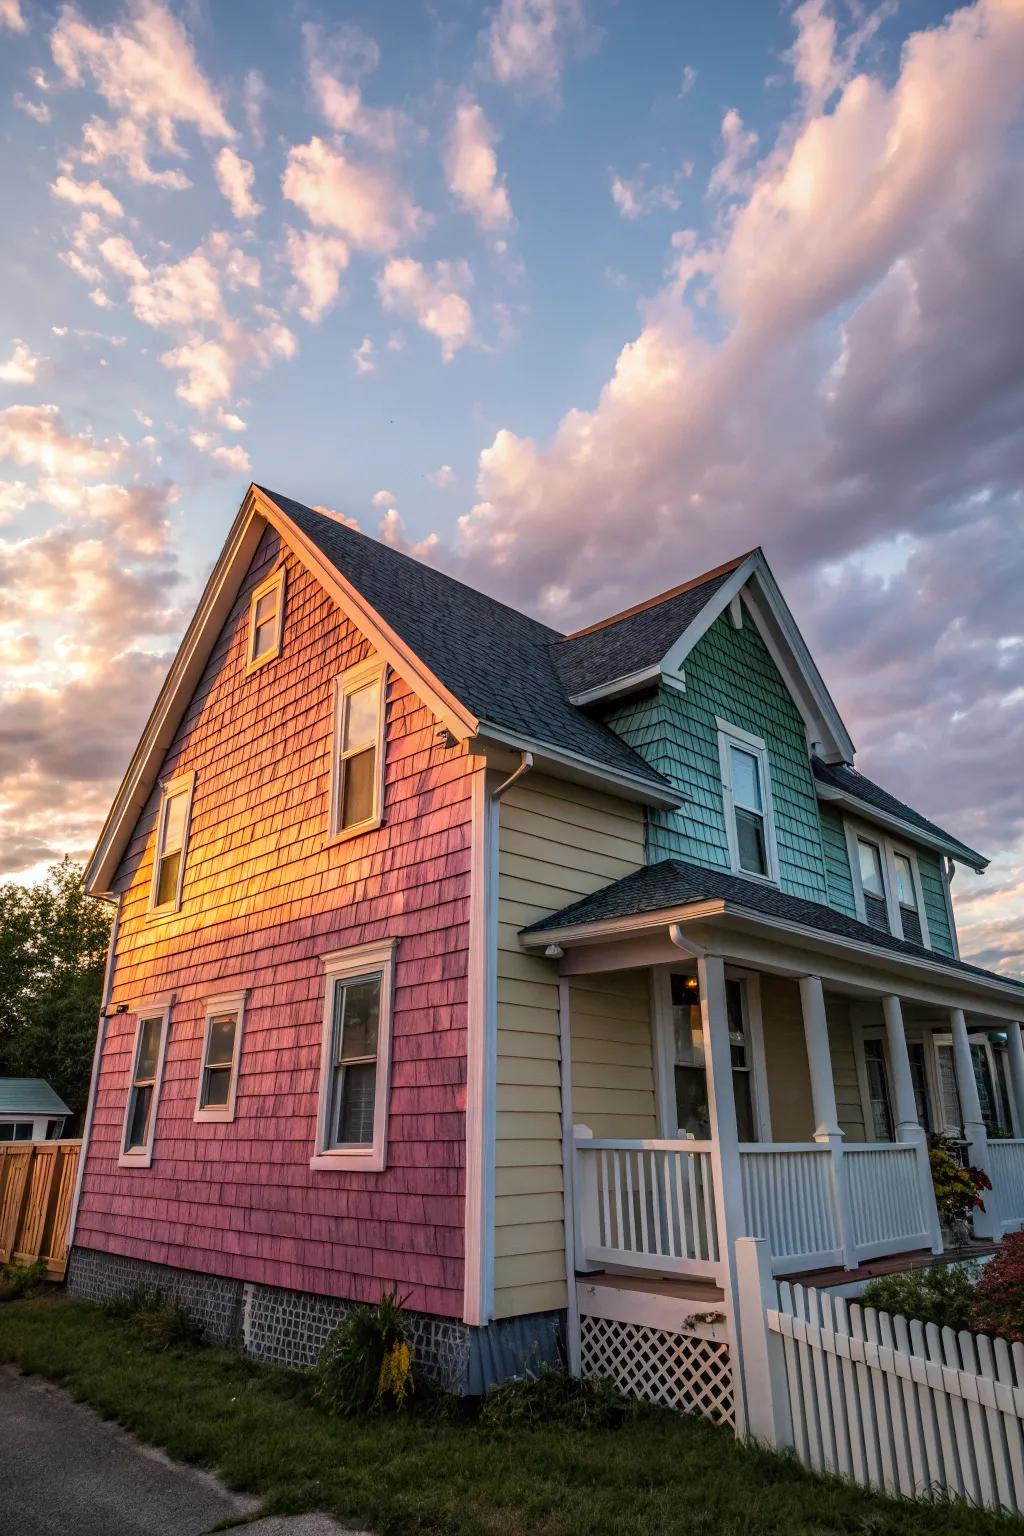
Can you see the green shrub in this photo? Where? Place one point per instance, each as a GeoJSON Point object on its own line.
{"type": "Point", "coordinates": [958, 1190]}
{"type": "Point", "coordinates": [555, 1397]}
{"type": "Point", "coordinates": [161, 1321]}
{"type": "Point", "coordinates": [943, 1294]}
{"type": "Point", "coordinates": [20, 1279]}
{"type": "Point", "coordinates": [366, 1363]}
{"type": "Point", "coordinates": [999, 1298]}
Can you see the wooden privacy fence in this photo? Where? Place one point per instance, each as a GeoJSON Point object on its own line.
{"type": "Point", "coordinates": [37, 1182]}
{"type": "Point", "coordinates": [898, 1405]}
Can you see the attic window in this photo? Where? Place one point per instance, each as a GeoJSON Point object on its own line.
{"type": "Point", "coordinates": [357, 789]}
{"type": "Point", "coordinates": [172, 828]}
{"type": "Point", "coordinates": [266, 621]}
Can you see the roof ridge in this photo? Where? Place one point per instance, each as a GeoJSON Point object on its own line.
{"type": "Point", "coordinates": [663, 597]}
{"type": "Point", "coordinates": [339, 520]}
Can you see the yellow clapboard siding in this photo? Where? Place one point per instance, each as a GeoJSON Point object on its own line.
{"type": "Point", "coordinates": [516, 1042]}
{"type": "Point", "coordinates": [524, 1210]}
{"type": "Point", "coordinates": [529, 1072]}
{"type": "Point", "coordinates": [519, 1125]}
{"type": "Point", "coordinates": [602, 1075]}
{"type": "Point", "coordinates": [528, 1099]}
{"type": "Point", "coordinates": [521, 1300]}
{"type": "Point", "coordinates": [537, 1237]}
{"type": "Point", "coordinates": [532, 1180]}
{"type": "Point", "coordinates": [533, 1268]}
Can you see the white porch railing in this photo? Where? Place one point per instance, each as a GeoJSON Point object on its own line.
{"type": "Point", "coordinates": [891, 1198]}
{"type": "Point", "coordinates": [789, 1199]}
{"type": "Point", "coordinates": [646, 1205]}
{"type": "Point", "coordinates": [1006, 1170]}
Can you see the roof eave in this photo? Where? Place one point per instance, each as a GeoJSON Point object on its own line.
{"type": "Point", "coordinates": [906, 829]}
{"type": "Point", "coordinates": [565, 764]}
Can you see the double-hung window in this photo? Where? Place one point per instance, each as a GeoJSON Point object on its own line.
{"type": "Point", "coordinates": [266, 621]}
{"type": "Point", "coordinates": [218, 1069]}
{"type": "Point", "coordinates": [355, 1058]}
{"type": "Point", "coordinates": [746, 790]}
{"type": "Point", "coordinates": [357, 781]}
{"type": "Point", "coordinates": [144, 1086]}
{"type": "Point", "coordinates": [887, 885]}
{"type": "Point", "coordinates": [906, 898]}
{"type": "Point", "coordinates": [172, 827]}
{"type": "Point", "coordinates": [872, 884]}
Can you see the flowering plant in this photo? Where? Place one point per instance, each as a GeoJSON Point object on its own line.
{"type": "Point", "coordinates": [958, 1190]}
{"type": "Point", "coordinates": [999, 1296]}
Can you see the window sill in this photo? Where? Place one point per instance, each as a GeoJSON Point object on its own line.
{"type": "Point", "coordinates": [161, 914]}
{"type": "Point", "coordinates": [222, 1115]}
{"type": "Point", "coordinates": [135, 1159]}
{"type": "Point", "coordinates": [261, 661]}
{"type": "Point", "coordinates": [748, 874]}
{"type": "Point", "coordinates": [356, 831]}
{"type": "Point", "coordinates": [370, 1161]}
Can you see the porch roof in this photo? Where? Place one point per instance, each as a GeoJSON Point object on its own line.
{"type": "Point", "coordinates": [671, 885]}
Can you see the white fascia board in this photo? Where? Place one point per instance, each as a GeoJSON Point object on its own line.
{"type": "Point", "coordinates": [619, 685]}
{"type": "Point", "coordinates": [716, 605]}
{"type": "Point", "coordinates": [905, 829]}
{"type": "Point", "coordinates": [564, 764]}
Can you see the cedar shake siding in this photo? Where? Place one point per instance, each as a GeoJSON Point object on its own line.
{"type": "Point", "coordinates": [263, 900]}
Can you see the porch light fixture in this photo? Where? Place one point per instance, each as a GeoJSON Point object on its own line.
{"type": "Point", "coordinates": [554, 952]}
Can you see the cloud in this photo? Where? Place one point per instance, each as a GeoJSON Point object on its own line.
{"type": "Point", "coordinates": [126, 142]}
{"type": "Point", "coordinates": [317, 262]}
{"type": "Point", "coordinates": [145, 68]}
{"type": "Point", "coordinates": [688, 80]}
{"type": "Point", "coordinates": [35, 435]}
{"type": "Point", "coordinates": [336, 62]}
{"type": "Point", "coordinates": [233, 456]}
{"type": "Point", "coordinates": [38, 110]}
{"type": "Point", "coordinates": [235, 178]}
{"type": "Point", "coordinates": [444, 477]}
{"type": "Point", "coordinates": [22, 366]}
{"type": "Point", "coordinates": [729, 176]}
{"type": "Point", "coordinates": [11, 16]}
{"type": "Point", "coordinates": [211, 367]}
{"type": "Point", "coordinates": [433, 300]}
{"type": "Point", "coordinates": [89, 194]}
{"type": "Point", "coordinates": [363, 203]}
{"type": "Point", "coordinates": [363, 356]}
{"type": "Point", "coordinates": [471, 167]}
{"type": "Point", "coordinates": [634, 197]}
{"type": "Point", "coordinates": [528, 41]}
{"type": "Point", "coordinates": [384, 498]}
{"type": "Point", "coordinates": [254, 100]}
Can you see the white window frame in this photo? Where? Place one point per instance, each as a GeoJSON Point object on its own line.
{"type": "Point", "coordinates": [730, 735]}
{"type": "Point", "coordinates": [183, 785]}
{"type": "Point", "coordinates": [142, 1157]}
{"type": "Point", "coordinates": [228, 1002]}
{"type": "Point", "coordinates": [346, 965]}
{"type": "Point", "coordinates": [857, 831]}
{"type": "Point", "coordinates": [274, 582]}
{"type": "Point", "coordinates": [348, 683]}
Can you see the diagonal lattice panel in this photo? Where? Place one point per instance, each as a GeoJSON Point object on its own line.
{"type": "Point", "coordinates": [675, 1370]}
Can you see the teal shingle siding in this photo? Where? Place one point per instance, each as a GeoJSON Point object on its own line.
{"type": "Point", "coordinates": [729, 673]}
{"type": "Point", "coordinates": [837, 861]}
{"type": "Point", "coordinates": [930, 867]}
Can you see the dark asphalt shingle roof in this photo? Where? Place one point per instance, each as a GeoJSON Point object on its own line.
{"type": "Point", "coordinates": [495, 660]}
{"type": "Point", "coordinates": [638, 638]}
{"type": "Point", "coordinates": [29, 1096]}
{"type": "Point", "coordinates": [851, 782]}
{"type": "Point", "coordinates": [671, 883]}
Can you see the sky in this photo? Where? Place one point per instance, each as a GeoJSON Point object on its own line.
{"type": "Point", "coordinates": [573, 298]}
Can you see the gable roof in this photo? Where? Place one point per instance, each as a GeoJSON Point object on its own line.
{"type": "Point", "coordinates": [838, 781]}
{"type": "Point", "coordinates": [29, 1096]}
{"type": "Point", "coordinates": [672, 884]}
{"type": "Point", "coordinates": [639, 637]}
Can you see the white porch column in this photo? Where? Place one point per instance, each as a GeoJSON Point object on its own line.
{"type": "Point", "coordinates": [1015, 1051]}
{"type": "Point", "coordinates": [819, 1061]}
{"type": "Point", "coordinates": [908, 1127]}
{"type": "Point", "coordinates": [970, 1107]}
{"type": "Point", "coordinates": [826, 1114]}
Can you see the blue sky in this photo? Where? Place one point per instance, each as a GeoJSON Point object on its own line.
{"type": "Point", "coordinates": [573, 298]}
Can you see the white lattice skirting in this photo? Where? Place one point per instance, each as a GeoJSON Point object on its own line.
{"type": "Point", "coordinates": [676, 1370]}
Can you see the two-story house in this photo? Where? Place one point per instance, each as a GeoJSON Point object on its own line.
{"type": "Point", "coordinates": [521, 972]}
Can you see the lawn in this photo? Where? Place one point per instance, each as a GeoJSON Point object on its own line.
{"type": "Point", "coordinates": [661, 1474]}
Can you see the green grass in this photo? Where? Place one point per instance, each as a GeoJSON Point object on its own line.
{"type": "Point", "coordinates": [257, 1426]}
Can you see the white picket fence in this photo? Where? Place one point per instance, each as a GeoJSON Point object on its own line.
{"type": "Point", "coordinates": [897, 1405]}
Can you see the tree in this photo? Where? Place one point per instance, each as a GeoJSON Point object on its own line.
{"type": "Point", "coordinates": [53, 943]}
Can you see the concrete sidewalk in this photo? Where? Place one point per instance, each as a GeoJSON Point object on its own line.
{"type": "Point", "coordinates": [64, 1471]}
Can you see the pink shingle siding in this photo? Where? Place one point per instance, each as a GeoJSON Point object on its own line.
{"type": "Point", "coordinates": [263, 900]}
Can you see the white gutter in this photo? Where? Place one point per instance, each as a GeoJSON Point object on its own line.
{"type": "Point", "coordinates": [906, 829]}
{"type": "Point", "coordinates": [97, 1056]}
{"type": "Point", "coordinates": [584, 769]}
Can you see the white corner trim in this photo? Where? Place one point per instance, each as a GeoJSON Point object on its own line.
{"type": "Point", "coordinates": [97, 1059]}
{"type": "Point", "coordinates": [228, 1002]}
{"type": "Point", "coordinates": [369, 960]}
{"type": "Point", "coordinates": [481, 1055]}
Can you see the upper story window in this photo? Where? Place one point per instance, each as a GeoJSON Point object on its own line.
{"type": "Point", "coordinates": [357, 787]}
{"type": "Point", "coordinates": [746, 790]}
{"type": "Point", "coordinates": [266, 621]}
{"type": "Point", "coordinates": [144, 1086]}
{"type": "Point", "coordinates": [907, 899]}
{"type": "Point", "coordinates": [171, 842]}
{"type": "Point", "coordinates": [218, 1070]}
{"type": "Point", "coordinates": [887, 886]}
{"type": "Point", "coordinates": [356, 1058]}
{"type": "Point", "coordinates": [872, 884]}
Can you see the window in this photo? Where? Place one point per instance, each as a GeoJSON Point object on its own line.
{"type": "Point", "coordinates": [880, 1127]}
{"type": "Point", "coordinates": [16, 1130]}
{"type": "Point", "coordinates": [919, 1078]}
{"type": "Point", "coordinates": [218, 1069]}
{"type": "Point", "coordinates": [906, 896]}
{"type": "Point", "coordinates": [747, 799]}
{"type": "Point", "coordinates": [266, 621]}
{"type": "Point", "coordinates": [171, 839]}
{"type": "Point", "coordinates": [872, 884]}
{"type": "Point", "coordinates": [356, 1055]}
{"type": "Point", "coordinates": [144, 1087]}
{"type": "Point", "coordinates": [692, 1111]}
{"type": "Point", "coordinates": [358, 779]}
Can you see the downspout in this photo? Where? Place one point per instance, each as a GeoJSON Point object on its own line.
{"type": "Point", "coordinates": [688, 946]}
{"type": "Point", "coordinates": [525, 765]}
{"type": "Point", "coordinates": [948, 871]}
{"type": "Point", "coordinates": [97, 1056]}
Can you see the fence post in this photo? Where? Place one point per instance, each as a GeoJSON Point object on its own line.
{"type": "Point", "coordinates": [842, 1204]}
{"type": "Point", "coordinates": [763, 1362]}
{"type": "Point", "coordinates": [586, 1227]}
{"type": "Point", "coordinates": [927, 1186]}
